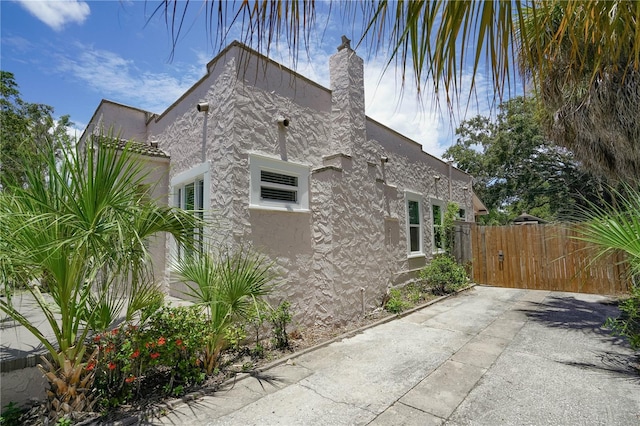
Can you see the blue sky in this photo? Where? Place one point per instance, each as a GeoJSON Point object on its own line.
{"type": "Point", "coordinates": [71, 54]}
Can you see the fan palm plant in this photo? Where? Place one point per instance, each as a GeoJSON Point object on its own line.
{"type": "Point", "coordinates": [227, 288]}
{"type": "Point", "coordinates": [84, 229]}
{"type": "Point", "coordinates": [617, 228]}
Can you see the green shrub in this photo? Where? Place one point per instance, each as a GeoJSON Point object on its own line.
{"type": "Point", "coordinates": [396, 302]}
{"type": "Point", "coordinates": [172, 340]}
{"type": "Point", "coordinates": [443, 275]}
{"type": "Point", "coordinates": [234, 335]}
{"type": "Point", "coordinates": [279, 319]}
{"type": "Point", "coordinates": [11, 415]}
{"type": "Point", "coordinates": [628, 323]}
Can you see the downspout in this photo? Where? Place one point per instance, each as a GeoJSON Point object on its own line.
{"type": "Point", "coordinates": [204, 138]}
{"type": "Point", "coordinates": [204, 107]}
{"type": "Point", "coordinates": [450, 162]}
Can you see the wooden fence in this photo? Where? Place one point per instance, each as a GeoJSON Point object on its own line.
{"type": "Point", "coordinates": [543, 257]}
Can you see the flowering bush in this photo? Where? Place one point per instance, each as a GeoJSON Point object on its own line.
{"type": "Point", "coordinates": [170, 342]}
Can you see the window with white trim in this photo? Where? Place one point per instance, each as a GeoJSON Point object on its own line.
{"type": "Point", "coordinates": [437, 220]}
{"type": "Point", "coordinates": [414, 223]}
{"type": "Point", "coordinates": [190, 190]}
{"type": "Point", "coordinates": [278, 185]}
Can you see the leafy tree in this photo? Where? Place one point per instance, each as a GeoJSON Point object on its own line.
{"type": "Point", "coordinates": [86, 229]}
{"type": "Point", "coordinates": [26, 131]}
{"type": "Point", "coordinates": [591, 98]}
{"type": "Point", "coordinates": [516, 169]}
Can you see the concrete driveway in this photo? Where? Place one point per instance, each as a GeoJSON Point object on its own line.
{"type": "Point", "coordinates": [488, 356]}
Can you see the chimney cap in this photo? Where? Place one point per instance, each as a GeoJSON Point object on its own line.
{"type": "Point", "coordinates": [346, 44]}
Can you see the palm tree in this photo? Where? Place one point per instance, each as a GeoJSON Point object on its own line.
{"type": "Point", "coordinates": [226, 288]}
{"type": "Point", "coordinates": [618, 229]}
{"type": "Point", "coordinates": [591, 97]}
{"type": "Point", "coordinates": [84, 230]}
{"type": "Point", "coordinates": [440, 43]}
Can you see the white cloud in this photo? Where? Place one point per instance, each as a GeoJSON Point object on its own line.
{"type": "Point", "coordinates": [121, 80]}
{"type": "Point", "coordinates": [57, 13]}
{"type": "Point", "coordinates": [397, 107]}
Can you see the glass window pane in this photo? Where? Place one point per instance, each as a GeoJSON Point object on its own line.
{"type": "Point", "coordinates": [414, 212]}
{"type": "Point", "coordinates": [189, 196]}
{"type": "Point", "coordinates": [414, 235]}
{"type": "Point", "coordinates": [200, 195]}
{"type": "Point", "coordinates": [437, 237]}
{"type": "Point", "coordinates": [437, 215]}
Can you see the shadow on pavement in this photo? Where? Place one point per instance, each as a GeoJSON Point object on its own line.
{"type": "Point", "coordinates": [571, 313]}
{"type": "Point", "coordinates": [623, 365]}
{"type": "Point", "coordinates": [568, 312]}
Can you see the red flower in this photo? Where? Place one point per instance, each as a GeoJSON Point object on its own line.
{"type": "Point", "coordinates": [136, 353]}
{"type": "Point", "coordinates": [96, 338]}
{"type": "Point", "coordinates": [114, 331]}
{"type": "Point", "coordinates": [154, 355]}
{"type": "Point", "coordinates": [91, 366]}
{"type": "Point", "coordinates": [130, 379]}
{"type": "Point", "coordinates": [112, 366]}
{"type": "Point", "coordinates": [108, 349]}
{"type": "Point", "coordinates": [162, 341]}
{"type": "Point", "coordinates": [178, 342]}
{"type": "Point", "coordinates": [149, 345]}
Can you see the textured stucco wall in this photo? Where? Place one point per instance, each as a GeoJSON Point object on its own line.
{"type": "Point", "coordinates": [352, 245]}
{"type": "Point", "coordinates": [119, 120]}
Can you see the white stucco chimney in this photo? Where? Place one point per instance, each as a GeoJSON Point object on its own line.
{"type": "Point", "coordinates": [347, 99]}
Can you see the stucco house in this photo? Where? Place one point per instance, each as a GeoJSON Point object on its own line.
{"type": "Point", "coordinates": [344, 206]}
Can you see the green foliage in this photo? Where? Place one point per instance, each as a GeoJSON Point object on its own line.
{"type": "Point", "coordinates": [443, 275]}
{"type": "Point", "coordinates": [226, 288]}
{"type": "Point", "coordinates": [173, 339]}
{"type": "Point", "coordinates": [64, 421]}
{"type": "Point", "coordinates": [628, 323]}
{"type": "Point", "coordinates": [402, 298]}
{"type": "Point", "coordinates": [516, 169]}
{"type": "Point", "coordinates": [450, 215]}
{"type": "Point", "coordinates": [86, 229]}
{"type": "Point", "coordinates": [178, 335]}
{"type": "Point", "coordinates": [235, 335]}
{"type": "Point", "coordinates": [616, 227]}
{"type": "Point", "coordinates": [256, 318]}
{"type": "Point", "coordinates": [396, 303]}
{"type": "Point", "coordinates": [279, 319]}
{"type": "Point", "coordinates": [10, 415]}
{"type": "Point", "coordinates": [590, 110]}
{"type": "Point", "coordinates": [28, 130]}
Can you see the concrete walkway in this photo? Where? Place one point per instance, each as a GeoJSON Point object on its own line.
{"type": "Point", "coordinates": [488, 356]}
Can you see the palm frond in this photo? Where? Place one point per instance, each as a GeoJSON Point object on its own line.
{"type": "Point", "coordinates": [617, 227]}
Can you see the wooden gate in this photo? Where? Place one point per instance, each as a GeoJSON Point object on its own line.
{"type": "Point", "coordinates": [543, 257]}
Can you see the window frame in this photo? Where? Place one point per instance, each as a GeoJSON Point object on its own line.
{"type": "Point", "coordinates": [199, 174]}
{"type": "Point", "coordinates": [411, 196]}
{"type": "Point", "coordinates": [301, 172]}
